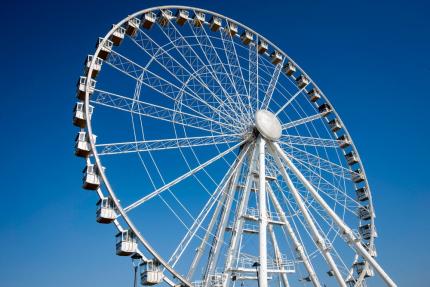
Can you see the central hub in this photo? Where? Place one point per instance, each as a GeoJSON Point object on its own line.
{"type": "Point", "coordinates": [268, 125]}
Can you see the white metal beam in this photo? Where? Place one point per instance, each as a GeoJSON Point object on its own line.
{"type": "Point", "coordinates": [262, 234]}
{"type": "Point", "coordinates": [347, 232]}
{"type": "Point", "coordinates": [297, 245]}
{"type": "Point", "coordinates": [316, 236]}
{"type": "Point", "coordinates": [180, 178]}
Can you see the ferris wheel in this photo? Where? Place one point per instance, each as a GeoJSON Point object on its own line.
{"type": "Point", "coordinates": [219, 160]}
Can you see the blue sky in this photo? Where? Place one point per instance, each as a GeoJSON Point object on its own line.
{"type": "Point", "coordinates": [371, 59]}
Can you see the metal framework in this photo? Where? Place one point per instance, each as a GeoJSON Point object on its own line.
{"type": "Point", "coordinates": [216, 139]}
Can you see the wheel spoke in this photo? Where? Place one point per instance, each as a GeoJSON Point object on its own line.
{"type": "Point", "coordinates": [205, 211]}
{"type": "Point", "coordinates": [316, 236]}
{"type": "Point", "coordinates": [234, 65]}
{"type": "Point", "coordinates": [302, 121]}
{"type": "Point", "coordinates": [193, 83]}
{"type": "Point", "coordinates": [155, 82]}
{"type": "Point", "coordinates": [181, 178]}
{"type": "Point", "coordinates": [289, 102]}
{"type": "Point", "coordinates": [217, 67]}
{"type": "Point", "coordinates": [310, 141]}
{"type": "Point", "coordinates": [272, 85]}
{"type": "Point", "coordinates": [316, 161]}
{"type": "Point", "coordinates": [158, 112]}
{"type": "Point", "coordinates": [163, 144]}
{"type": "Point", "coordinates": [198, 66]}
{"type": "Point", "coordinates": [298, 244]}
{"type": "Point", "coordinates": [253, 76]}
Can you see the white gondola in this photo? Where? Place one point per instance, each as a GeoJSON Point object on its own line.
{"type": "Point", "coordinates": [351, 158]}
{"type": "Point", "coordinates": [246, 37]}
{"type": "Point", "coordinates": [357, 176]}
{"type": "Point", "coordinates": [81, 86]}
{"type": "Point", "coordinates": [302, 81]}
{"type": "Point", "coordinates": [289, 69]}
{"type": "Point", "coordinates": [106, 212]}
{"type": "Point", "coordinates": [79, 119]}
{"type": "Point", "coordinates": [106, 48]}
{"type": "Point", "coordinates": [91, 179]}
{"type": "Point", "coordinates": [262, 46]}
{"type": "Point", "coordinates": [182, 16]}
{"type": "Point", "coordinates": [215, 23]}
{"type": "Point", "coordinates": [350, 282]}
{"type": "Point", "coordinates": [164, 17]}
{"type": "Point", "coordinates": [364, 213]}
{"type": "Point", "coordinates": [232, 29]}
{"type": "Point", "coordinates": [276, 57]}
{"type": "Point", "coordinates": [306, 279]}
{"type": "Point", "coordinates": [362, 194]}
{"type": "Point", "coordinates": [132, 27]}
{"type": "Point", "coordinates": [118, 36]}
{"type": "Point", "coordinates": [324, 109]}
{"type": "Point", "coordinates": [97, 66]}
{"type": "Point", "coordinates": [82, 145]}
{"type": "Point", "coordinates": [359, 268]}
{"type": "Point", "coordinates": [314, 95]}
{"type": "Point", "coordinates": [370, 248]}
{"type": "Point", "coordinates": [344, 141]}
{"type": "Point", "coordinates": [334, 125]}
{"type": "Point", "coordinates": [148, 19]}
{"type": "Point", "coordinates": [366, 231]}
{"type": "Point", "coordinates": [199, 19]}
{"type": "Point", "coordinates": [126, 243]}
{"type": "Point", "coordinates": [150, 273]}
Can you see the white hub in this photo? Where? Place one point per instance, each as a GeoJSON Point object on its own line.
{"type": "Point", "coordinates": [268, 125]}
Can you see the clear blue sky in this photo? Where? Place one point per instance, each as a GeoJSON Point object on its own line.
{"type": "Point", "coordinates": [370, 58]}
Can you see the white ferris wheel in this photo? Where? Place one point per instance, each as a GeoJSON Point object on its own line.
{"type": "Point", "coordinates": [219, 160]}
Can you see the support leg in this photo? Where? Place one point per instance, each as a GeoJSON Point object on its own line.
{"type": "Point", "coordinates": [352, 240]}
{"type": "Point", "coordinates": [316, 236]}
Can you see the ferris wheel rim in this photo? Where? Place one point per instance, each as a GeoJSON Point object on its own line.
{"type": "Point", "coordinates": [98, 161]}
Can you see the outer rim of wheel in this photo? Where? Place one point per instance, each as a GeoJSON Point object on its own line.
{"type": "Point", "coordinates": [98, 161]}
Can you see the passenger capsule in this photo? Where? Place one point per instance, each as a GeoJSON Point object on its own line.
{"type": "Point", "coordinates": [351, 158]}
{"type": "Point", "coordinates": [232, 29]}
{"type": "Point", "coordinates": [91, 179]}
{"type": "Point", "coordinates": [199, 19]}
{"type": "Point", "coordinates": [79, 119]}
{"type": "Point", "coordinates": [106, 211]}
{"type": "Point", "coordinates": [324, 109]}
{"type": "Point", "coordinates": [126, 243]}
{"type": "Point", "coordinates": [289, 69]}
{"type": "Point", "coordinates": [262, 46]}
{"type": "Point", "coordinates": [182, 16]}
{"type": "Point", "coordinates": [118, 36]}
{"type": "Point", "coordinates": [314, 95]}
{"type": "Point", "coordinates": [215, 23]}
{"type": "Point", "coordinates": [106, 48]}
{"type": "Point", "coordinates": [96, 66]}
{"type": "Point", "coordinates": [302, 81]}
{"type": "Point", "coordinates": [344, 141]}
{"type": "Point", "coordinates": [357, 176]}
{"type": "Point", "coordinates": [276, 57]}
{"type": "Point", "coordinates": [366, 231]}
{"type": "Point", "coordinates": [364, 212]}
{"type": "Point", "coordinates": [164, 17]}
{"type": "Point", "coordinates": [362, 194]}
{"type": "Point", "coordinates": [132, 27]}
{"type": "Point", "coordinates": [334, 125]}
{"type": "Point", "coordinates": [246, 37]}
{"type": "Point", "coordinates": [148, 19]}
{"type": "Point", "coordinates": [81, 87]}
{"type": "Point", "coordinates": [360, 268]}
{"type": "Point", "coordinates": [150, 273]}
